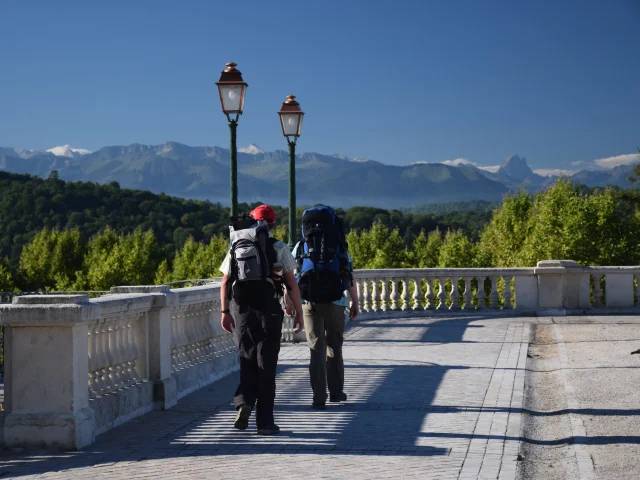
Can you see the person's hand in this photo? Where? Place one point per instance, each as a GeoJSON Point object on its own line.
{"type": "Point", "coordinates": [288, 308]}
{"type": "Point", "coordinates": [227, 322]}
{"type": "Point", "coordinates": [354, 311]}
{"type": "Point", "coordinates": [297, 322]}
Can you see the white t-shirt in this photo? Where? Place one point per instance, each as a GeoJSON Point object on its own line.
{"type": "Point", "coordinates": [283, 256]}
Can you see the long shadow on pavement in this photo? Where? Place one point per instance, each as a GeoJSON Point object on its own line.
{"type": "Point", "coordinates": [383, 418]}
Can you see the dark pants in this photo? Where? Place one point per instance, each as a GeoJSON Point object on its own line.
{"type": "Point", "coordinates": [257, 335]}
{"type": "Point", "coordinates": [324, 325]}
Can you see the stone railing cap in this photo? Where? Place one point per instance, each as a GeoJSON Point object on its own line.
{"type": "Point", "coordinates": [557, 267]}
{"type": "Point", "coordinates": [141, 289]}
{"type": "Point", "coordinates": [557, 263]}
{"type": "Point", "coordinates": [50, 299]}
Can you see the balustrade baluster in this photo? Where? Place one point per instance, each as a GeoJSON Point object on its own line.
{"type": "Point", "coordinates": [198, 332]}
{"type": "Point", "coordinates": [185, 354]}
{"type": "Point", "coordinates": [507, 294]}
{"type": "Point", "coordinates": [135, 351]}
{"type": "Point", "coordinates": [378, 297]}
{"type": "Point", "coordinates": [204, 333]}
{"type": "Point", "coordinates": [376, 304]}
{"type": "Point", "coordinates": [122, 329]}
{"type": "Point", "coordinates": [187, 335]}
{"type": "Point", "coordinates": [467, 294]}
{"type": "Point", "coordinates": [394, 295]}
{"type": "Point", "coordinates": [493, 296]}
{"type": "Point", "coordinates": [213, 316]}
{"type": "Point", "coordinates": [174, 338]}
{"type": "Point", "coordinates": [384, 297]}
{"type": "Point", "coordinates": [179, 348]}
{"type": "Point", "coordinates": [417, 295]}
{"type": "Point", "coordinates": [114, 359]}
{"type": "Point", "coordinates": [481, 294]}
{"type": "Point", "coordinates": [455, 295]}
{"type": "Point", "coordinates": [442, 295]}
{"type": "Point", "coordinates": [405, 294]}
{"type": "Point", "coordinates": [102, 339]}
{"type": "Point", "coordinates": [93, 361]}
{"type": "Point", "coordinates": [428, 294]}
{"type": "Point", "coordinates": [366, 306]}
{"type": "Point", "coordinates": [123, 371]}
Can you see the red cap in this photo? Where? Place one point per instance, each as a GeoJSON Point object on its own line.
{"type": "Point", "coordinates": [264, 212]}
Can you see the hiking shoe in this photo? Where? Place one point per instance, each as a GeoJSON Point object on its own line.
{"type": "Point", "coordinates": [318, 406]}
{"type": "Point", "coordinates": [242, 418]}
{"type": "Point", "coordinates": [338, 398]}
{"type": "Point", "coordinates": [270, 430]}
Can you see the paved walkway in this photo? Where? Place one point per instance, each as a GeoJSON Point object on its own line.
{"type": "Point", "coordinates": [428, 398]}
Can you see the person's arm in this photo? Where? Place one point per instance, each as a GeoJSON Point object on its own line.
{"type": "Point", "coordinates": [226, 320]}
{"type": "Point", "coordinates": [288, 304]}
{"type": "Point", "coordinates": [293, 294]}
{"type": "Point", "coordinates": [355, 302]}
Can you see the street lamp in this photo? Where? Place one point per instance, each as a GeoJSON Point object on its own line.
{"type": "Point", "coordinates": [231, 88]}
{"type": "Point", "coordinates": [291, 121]}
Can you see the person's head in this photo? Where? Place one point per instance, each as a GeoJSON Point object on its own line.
{"type": "Point", "coordinates": [266, 213]}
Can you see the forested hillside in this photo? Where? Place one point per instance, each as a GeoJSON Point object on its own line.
{"type": "Point", "coordinates": [80, 216]}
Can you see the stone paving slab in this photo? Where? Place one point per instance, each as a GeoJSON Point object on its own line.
{"type": "Point", "coordinates": [601, 384]}
{"type": "Point", "coordinates": [428, 398]}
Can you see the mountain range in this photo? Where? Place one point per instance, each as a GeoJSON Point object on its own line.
{"type": "Point", "coordinates": [203, 173]}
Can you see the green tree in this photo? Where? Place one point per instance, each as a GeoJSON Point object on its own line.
{"type": "Point", "coordinates": [114, 259]}
{"type": "Point", "coordinates": [502, 238]}
{"type": "Point", "coordinates": [51, 259]}
{"type": "Point", "coordinates": [197, 260]}
{"type": "Point", "coordinates": [163, 274]}
{"type": "Point", "coordinates": [187, 262]}
{"type": "Point", "coordinates": [456, 251]}
{"type": "Point", "coordinates": [6, 279]}
{"type": "Point", "coordinates": [425, 250]}
{"type": "Point", "coordinates": [378, 247]}
{"type": "Point", "coordinates": [593, 228]}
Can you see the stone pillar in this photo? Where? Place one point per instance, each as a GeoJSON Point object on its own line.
{"type": "Point", "coordinates": [164, 385]}
{"type": "Point", "coordinates": [526, 293]}
{"type": "Point", "coordinates": [46, 371]}
{"type": "Point", "coordinates": [562, 285]}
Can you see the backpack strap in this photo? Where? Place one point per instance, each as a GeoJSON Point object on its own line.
{"type": "Point", "coordinates": [342, 239]}
{"type": "Point", "coordinates": [272, 257]}
{"type": "Point", "coordinates": [231, 275]}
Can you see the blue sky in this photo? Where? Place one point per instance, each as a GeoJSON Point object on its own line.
{"type": "Point", "coordinates": [397, 81]}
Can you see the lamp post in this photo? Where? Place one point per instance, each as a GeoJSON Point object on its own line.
{"type": "Point", "coordinates": [291, 121]}
{"type": "Point", "coordinates": [231, 88]}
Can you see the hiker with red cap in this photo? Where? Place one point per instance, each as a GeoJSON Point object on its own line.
{"type": "Point", "coordinates": [256, 270]}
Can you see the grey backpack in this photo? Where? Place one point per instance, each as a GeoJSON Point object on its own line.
{"type": "Point", "coordinates": [252, 258]}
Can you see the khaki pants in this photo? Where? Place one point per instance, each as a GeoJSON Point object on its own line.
{"type": "Point", "coordinates": [324, 325]}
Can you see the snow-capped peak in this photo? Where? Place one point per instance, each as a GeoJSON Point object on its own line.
{"type": "Point", "coordinates": [252, 149]}
{"type": "Point", "coordinates": [67, 151]}
{"type": "Point", "coordinates": [342, 156]}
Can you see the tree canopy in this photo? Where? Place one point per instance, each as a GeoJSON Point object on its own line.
{"type": "Point", "coordinates": [83, 236]}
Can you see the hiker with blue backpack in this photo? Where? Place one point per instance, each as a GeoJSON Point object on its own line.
{"type": "Point", "coordinates": [255, 270]}
{"type": "Point", "coordinates": [324, 273]}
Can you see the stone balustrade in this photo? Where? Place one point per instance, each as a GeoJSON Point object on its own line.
{"type": "Point", "coordinates": [76, 367]}
{"type": "Point", "coordinates": [553, 287]}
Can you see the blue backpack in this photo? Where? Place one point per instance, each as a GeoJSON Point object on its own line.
{"type": "Point", "coordinates": [324, 270]}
